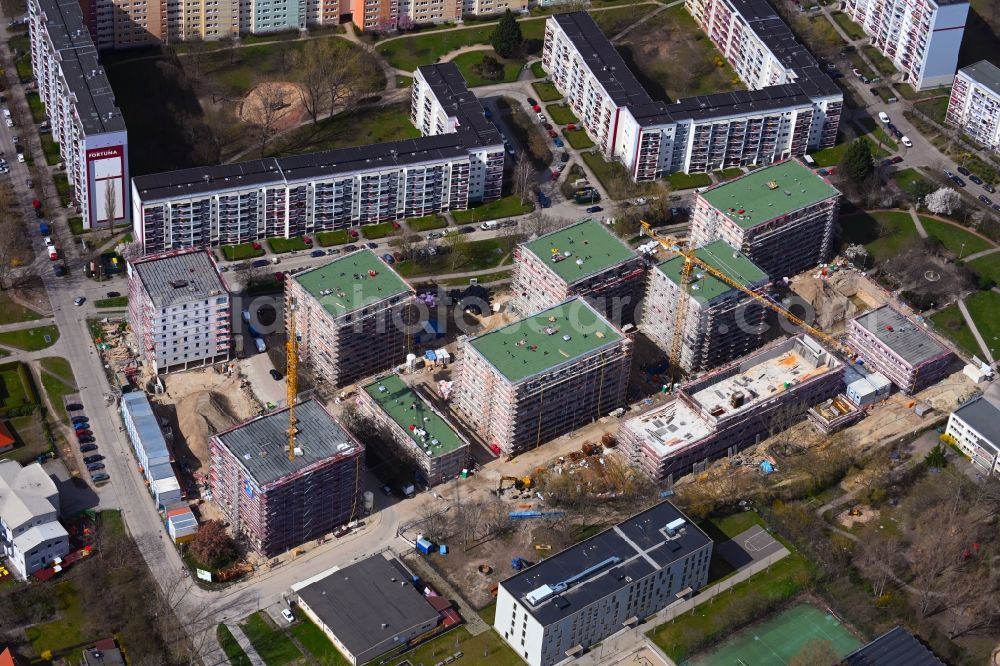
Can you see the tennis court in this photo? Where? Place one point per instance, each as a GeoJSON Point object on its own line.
{"type": "Point", "coordinates": [776, 641]}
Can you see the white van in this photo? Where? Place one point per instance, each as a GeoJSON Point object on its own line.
{"type": "Point", "coordinates": [884, 117]}
{"type": "Point", "coordinates": [489, 226]}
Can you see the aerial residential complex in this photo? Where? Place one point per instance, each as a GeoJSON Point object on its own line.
{"type": "Point", "coordinates": [31, 536]}
{"type": "Point", "coordinates": [418, 428]}
{"type": "Point", "coordinates": [905, 352]}
{"type": "Point", "coordinates": [568, 602]}
{"type": "Point", "coordinates": [277, 503]}
{"type": "Point", "coordinates": [542, 376]}
{"type": "Point", "coordinates": [921, 37]}
{"type": "Point", "coordinates": [351, 317]}
{"type": "Point", "coordinates": [179, 309]}
{"type": "Point", "coordinates": [731, 408]}
{"type": "Point", "coordinates": [720, 322]}
{"type": "Point", "coordinates": [80, 106]}
{"type": "Point", "coordinates": [336, 189]}
{"type": "Point", "coordinates": [975, 427]}
{"type": "Point", "coordinates": [974, 106]}
{"type": "Point", "coordinates": [792, 105]}
{"type": "Point", "coordinates": [783, 218]}
{"type": "Point", "coordinates": [584, 259]}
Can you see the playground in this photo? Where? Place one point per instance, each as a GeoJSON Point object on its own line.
{"type": "Point", "coordinates": [776, 641]}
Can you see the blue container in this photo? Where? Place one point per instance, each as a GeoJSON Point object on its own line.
{"type": "Point", "coordinates": [424, 546]}
{"type": "Point", "coordinates": [443, 549]}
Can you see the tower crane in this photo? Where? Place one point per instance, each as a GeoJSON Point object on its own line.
{"type": "Point", "coordinates": [675, 245]}
{"type": "Point", "coordinates": [292, 377]}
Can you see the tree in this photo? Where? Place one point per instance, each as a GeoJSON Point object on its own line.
{"type": "Point", "coordinates": [936, 457]}
{"type": "Point", "coordinates": [878, 557]}
{"type": "Point", "coordinates": [523, 173]}
{"type": "Point", "coordinates": [405, 23]}
{"type": "Point", "coordinates": [506, 37]}
{"type": "Point", "coordinates": [212, 546]}
{"type": "Point", "coordinates": [111, 205]}
{"type": "Point", "coordinates": [458, 247]}
{"type": "Point", "coordinates": [943, 201]}
{"type": "Point", "coordinates": [858, 162]}
{"type": "Point", "coordinates": [269, 107]}
{"type": "Point", "coordinates": [537, 224]}
{"type": "Point", "coordinates": [310, 63]}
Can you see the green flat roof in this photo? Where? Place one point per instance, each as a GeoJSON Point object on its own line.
{"type": "Point", "coordinates": [407, 409]}
{"type": "Point", "coordinates": [797, 187]}
{"type": "Point", "coordinates": [525, 348]}
{"type": "Point", "coordinates": [591, 246]}
{"type": "Point", "coordinates": [721, 256]}
{"type": "Point", "coordinates": [351, 284]}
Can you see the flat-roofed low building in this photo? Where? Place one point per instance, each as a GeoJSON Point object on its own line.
{"type": "Point", "coordinates": [568, 602]}
{"type": "Point", "coordinates": [351, 317]}
{"type": "Point", "coordinates": [423, 433]}
{"type": "Point", "coordinates": [782, 217]}
{"type": "Point", "coordinates": [721, 322]}
{"type": "Point", "coordinates": [31, 536]}
{"type": "Point", "coordinates": [908, 354]}
{"type": "Point", "coordinates": [732, 407]}
{"type": "Point", "coordinates": [151, 450]}
{"type": "Point", "coordinates": [583, 259]}
{"type": "Point", "coordinates": [543, 376]}
{"type": "Point", "coordinates": [975, 427]}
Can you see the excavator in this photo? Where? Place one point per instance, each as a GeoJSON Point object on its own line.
{"type": "Point", "coordinates": [516, 482]}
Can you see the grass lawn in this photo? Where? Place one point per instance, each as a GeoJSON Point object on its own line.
{"type": "Point", "coordinates": [66, 632]}
{"type": "Point", "coordinates": [62, 188]}
{"type": "Point", "coordinates": [547, 92]}
{"type": "Point", "coordinates": [831, 156]}
{"type": "Point", "coordinates": [951, 324]}
{"type": "Point", "coordinates": [280, 245]}
{"type": "Point", "coordinates": [486, 648]}
{"type": "Point", "coordinates": [729, 174]}
{"type": "Point", "coordinates": [31, 436]}
{"type": "Point", "coordinates": [984, 306]}
{"type": "Point", "coordinates": [59, 367]}
{"type": "Point", "coordinates": [988, 266]}
{"type": "Point", "coordinates": [57, 389]}
{"type": "Point", "coordinates": [241, 252]}
{"type": "Point", "coordinates": [427, 222]}
{"type": "Point", "coordinates": [858, 62]}
{"type": "Point", "coordinates": [613, 21]}
{"type": "Point", "coordinates": [14, 392]}
{"type": "Point", "coordinates": [408, 53]}
{"type": "Point", "coordinates": [884, 65]}
{"type": "Point", "coordinates": [507, 206]}
{"type": "Point", "coordinates": [37, 106]}
{"type": "Point", "coordinates": [328, 238]}
{"type": "Point", "coordinates": [30, 339]}
{"type": "Point", "coordinates": [883, 234]}
{"type": "Point", "coordinates": [116, 302]}
{"type": "Point", "coordinates": [346, 130]}
{"type": "Point", "coordinates": [954, 237]}
{"type": "Point", "coordinates": [613, 176]}
{"type": "Point", "coordinates": [373, 231]}
{"type": "Point", "coordinates": [235, 654]}
{"type": "Point", "coordinates": [403, 81]}
{"type": "Point", "coordinates": [852, 29]}
{"type": "Point", "coordinates": [469, 64]}
{"type": "Point", "coordinates": [687, 181]}
{"type": "Point", "coordinates": [75, 225]}
{"type": "Point", "coordinates": [578, 139]}
{"type": "Point", "coordinates": [273, 646]}
{"type": "Point", "coordinates": [316, 643]}
{"type": "Point", "coordinates": [50, 149]}
{"type": "Point", "coordinates": [936, 108]}
{"type": "Point", "coordinates": [479, 256]}
{"type": "Point", "coordinates": [907, 91]}
{"type": "Point", "coordinates": [12, 312]}
{"type": "Point", "coordinates": [912, 182]}
{"type": "Point", "coordinates": [561, 114]}
{"type": "Point", "coordinates": [538, 70]}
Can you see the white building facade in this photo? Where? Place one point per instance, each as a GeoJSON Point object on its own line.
{"type": "Point", "coordinates": [974, 106]}
{"type": "Point", "coordinates": [975, 427]}
{"type": "Point", "coordinates": [31, 536]}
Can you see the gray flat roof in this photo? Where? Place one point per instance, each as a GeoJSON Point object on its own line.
{"type": "Point", "coordinates": [261, 444]}
{"type": "Point", "coordinates": [985, 74]}
{"type": "Point", "coordinates": [984, 417]}
{"type": "Point", "coordinates": [910, 342]}
{"type": "Point", "coordinates": [453, 94]}
{"type": "Point", "coordinates": [180, 278]}
{"type": "Point", "coordinates": [368, 602]}
{"type": "Point", "coordinates": [896, 647]}
{"type": "Point", "coordinates": [638, 543]}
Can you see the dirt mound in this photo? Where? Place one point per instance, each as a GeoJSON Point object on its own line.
{"type": "Point", "coordinates": [276, 103]}
{"type": "Point", "coordinates": [201, 415]}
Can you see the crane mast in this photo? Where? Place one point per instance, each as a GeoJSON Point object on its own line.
{"type": "Point", "coordinates": [292, 377]}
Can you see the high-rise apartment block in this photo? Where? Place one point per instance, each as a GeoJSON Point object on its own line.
{"type": "Point", "coordinates": [492, 7]}
{"type": "Point", "coordinates": [974, 107]}
{"type": "Point", "coordinates": [80, 106]}
{"type": "Point", "coordinates": [276, 503]}
{"type": "Point", "coordinates": [733, 407]}
{"type": "Point", "coordinates": [352, 318]}
{"type": "Point", "coordinates": [336, 189]}
{"type": "Point", "coordinates": [179, 309]}
{"type": "Point", "coordinates": [578, 597]}
{"type": "Point", "coordinates": [583, 259]}
{"type": "Point", "coordinates": [792, 105]}
{"type": "Point", "coordinates": [542, 376]}
{"type": "Point", "coordinates": [781, 217]}
{"type": "Point", "coordinates": [921, 37]}
{"type": "Point", "coordinates": [720, 322]}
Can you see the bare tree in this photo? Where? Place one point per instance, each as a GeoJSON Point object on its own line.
{"type": "Point", "coordinates": [523, 173]}
{"type": "Point", "coordinates": [878, 557]}
{"type": "Point", "coordinates": [350, 76]}
{"type": "Point", "coordinates": [311, 64]}
{"type": "Point", "coordinates": [111, 206]}
{"type": "Point", "coordinates": [269, 107]}
{"type": "Point", "coordinates": [537, 223]}
{"type": "Point", "coordinates": [458, 248]}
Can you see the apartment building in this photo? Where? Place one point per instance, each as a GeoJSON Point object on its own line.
{"type": "Point", "coordinates": [584, 259]}
{"type": "Point", "coordinates": [276, 503]}
{"type": "Point", "coordinates": [975, 429]}
{"type": "Point", "coordinates": [121, 24]}
{"type": "Point", "coordinates": [566, 603]}
{"type": "Point", "coordinates": [788, 110]}
{"type": "Point", "coordinates": [542, 376]}
{"type": "Point", "coordinates": [31, 537]}
{"type": "Point", "coordinates": [353, 317]}
{"type": "Point", "coordinates": [720, 322]}
{"type": "Point", "coordinates": [423, 434]}
{"type": "Point", "coordinates": [179, 310]}
{"type": "Point", "coordinates": [732, 408]}
{"type": "Point", "coordinates": [907, 353]}
{"type": "Point", "coordinates": [974, 106]}
{"type": "Point", "coordinates": [781, 217]}
{"type": "Point", "coordinates": [921, 37]}
{"type": "Point", "coordinates": [151, 450]}
{"type": "Point", "coordinates": [80, 106]}
{"type": "Point", "coordinates": [337, 189]}
{"type": "Point", "coordinates": [492, 7]}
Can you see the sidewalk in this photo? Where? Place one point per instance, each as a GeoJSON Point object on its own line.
{"type": "Point", "coordinates": [244, 642]}
{"type": "Point", "coordinates": [975, 331]}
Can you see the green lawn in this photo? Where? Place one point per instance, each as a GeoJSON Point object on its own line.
{"type": "Point", "coordinates": [988, 266]}
{"type": "Point", "coordinates": [349, 129]}
{"type": "Point", "coordinates": [408, 53]}
{"type": "Point", "coordinates": [13, 392]}
{"type": "Point", "coordinates": [884, 65]}
{"type": "Point", "coordinates": [547, 92]}
{"type": "Point", "coordinates": [508, 206]}
{"type": "Point", "coordinates": [58, 384]}
{"type": "Point", "coordinates": [613, 176]}
{"type": "Point", "coordinates": [273, 646]}
{"type": "Point", "coordinates": [936, 108]}
{"type": "Point", "coordinates": [537, 70]}
{"type": "Point", "coordinates": [831, 156]}
{"type": "Point", "coordinates": [479, 256]}
{"type": "Point", "coordinates": [241, 252]}
{"type": "Point", "coordinates": [30, 339]}
{"type": "Point", "coordinates": [729, 174]}
{"type": "Point", "coordinates": [374, 231]}
{"type": "Point", "coordinates": [883, 234]}
{"type": "Point", "coordinates": [578, 139]}
{"type": "Point", "coordinates": [852, 29]}
{"type": "Point", "coordinates": [50, 149]}
{"type": "Point", "coordinates": [951, 324]}
{"type": "Point", "coordinates": [67, 632]}
{"type": "Point", "coordinates": [37, 107]}
{"type": "Point", "coordinates": [486, 649]}
{"type": "Point", "coordinates": [912, 182]}
{"type": "Point", "coordinates": [32, 438]}
{"type": "Point", "coordinates": [687, 181]}
{"type": "Point", "coordinates": [983, 307]}
{"type": "Point", "coordinates": [12, 312]}
{"type": "Point", "coordinates": [403, 81]}
{"type": "Point", "coordinates": [907, 91]}
{"type": "Point", "coordinates": [956, 239]}
{"type": "Point", "coordinates": [561, 114]}
{"type": "Point", "coordinates": [613, 21]}
{"type": "Point", "coordinates": [857, 61]}
{"type": "Point", "coordinates": [235, 654]}
{"type": "Point", "coordinates": [328, 238]}
{"type": "Point", "coordinates": [63, 188]}
{"type": "Point", "coordinates": [116, 302]}
{"type": "Point", "coordinates": [427, 222]}
{"type": "Point", "coordinates": [280, 245]}
{"type": "Point", "coordinates": [75, 225]}
{"type": "Point", "coordinates": [312, 638]}
{"type": "Point", "coordinates": [469, 64]}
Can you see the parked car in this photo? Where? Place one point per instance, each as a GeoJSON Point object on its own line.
{"type": "Point", "coordinates": [317, 253]}
{"type": "Point", "coordinates": [74, 407]}
{"type": "Point", "coordinates": [536, 108]}
{"type": "Point", "coordinates": [856, 72]}
{"type": "Point", "coordinates": [975, 179]}
{"type": "Point", "coordinates": [989, 188]}
{"type": "Point", "coordinates": [93, 467]}
{"type": "Point", "coordinates": [906, 142]}
{"type": "Point", "coordinates": [275, 375]}
{"type": "Point", "coordinates": [896, 160]}
{"type": "Point", "coordinates": [79, 419]}
{"type": "Point", "coordinates": [88, 447]}
{"type": "Point", "coordinates": [435, 234]}
{"type": "Point", "coordinates": [965, 172]}
{"type": "Point", "coordinates": [552, 134]}
{"type": "Point", "coordinates": [86, 440]}
{"type": "Point", "coordinates": [333, 250]}
{"type": "Point", "coordinates": [93, 459]}
{"type": "Point", "coordinates": [466, 230]}
{"type": "Point", "coordinates": [958, 181]}
{"type": "Point", "coordinates": [279, 276]}
{"type": "Point", "coordinates": [883, 116]}
{"type": "Point", "coordinates": [948, 174]}
{"type": "Point", "coordinates": [388, 258]}
{"type": "Point", "coordinates": [287, 614]}
{"type": "Point", "coordinates": [259, 263]}
{"type": "Point", "coordinates": [564, 158]}
{"type": "Point", "coordinates": [557, 142]}
{"type": "Point", "coordinates": [896, 132]}
{"type": "Point", "coordinates": [532, 101]}
{"type": "Point", "coordinates": [371, 246]}
{"type": "Point", "coordinates": [986, 200]}
{"type": "Point", "coordinates": [59, 270]}
{"type": "Point", "coordinates": [547, 126]}
{"type": "Point", "coordinates": [541, 117]}
{"type": "Point", "coordinates": [83, 433]}
{"type": "Point", "coordinates": [78, 428]}
{"type": "Point", "coordinates": [594, 209]}
{"type": "Point", "coordinates": [99, 478]}
{"type": "Point", "coordinates": [79, 300]}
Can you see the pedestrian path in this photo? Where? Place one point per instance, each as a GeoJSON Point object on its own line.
{"type": "Point", "coordinates": [917, 223]}
{"type": "Point", "coordinates": [980, 255]}
{"type": "Point", "coordinates": [975, 331]}
{"type": "Point", "coordinates": [244, 642]}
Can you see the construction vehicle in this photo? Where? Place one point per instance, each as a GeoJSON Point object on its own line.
{"type": "Point", "coordinates": [676, 246]}
{"type": "Point", "coordinates": [517, 482]}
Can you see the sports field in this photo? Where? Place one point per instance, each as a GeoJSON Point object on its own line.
{"type": "Point", "coordinates": [776, 641]}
